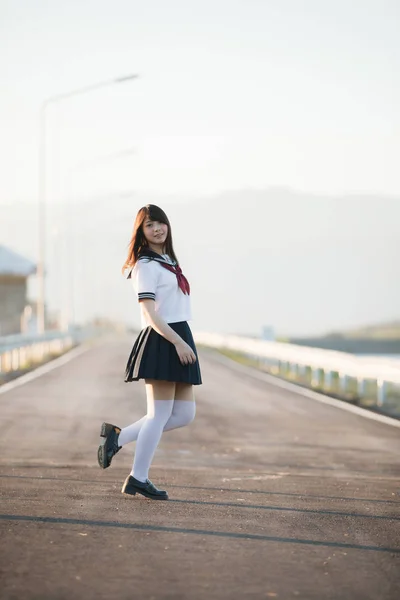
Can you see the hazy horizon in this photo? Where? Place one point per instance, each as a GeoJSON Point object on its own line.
{"type": "Point", "coordinates": [307, 266]}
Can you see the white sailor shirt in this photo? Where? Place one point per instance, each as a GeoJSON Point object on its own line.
{"type": "Point", "coordinates": [152, 281]}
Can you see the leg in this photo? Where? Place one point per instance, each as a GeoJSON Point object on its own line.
{"type": "Point", "coordinates": [184, 391]}
{"type": "Point", "coordinates": [184, 408]}
{"type": "Point", "coordinates": [130, 433]}
{"type": "Point", "coordinates": [183, 413]}
{"type": "Point", "coordinates": [160, 400]}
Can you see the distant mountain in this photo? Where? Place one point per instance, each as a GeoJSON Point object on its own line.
{"type": "Point", "coordinates": [303, 263]}
{"type": "Point", "coordinates": [382, 331]}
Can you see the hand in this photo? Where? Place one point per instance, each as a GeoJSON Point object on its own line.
{"type": "Point", "coordinates": [185, 353]}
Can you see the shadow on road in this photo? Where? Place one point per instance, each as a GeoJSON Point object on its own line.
{"type": "Point", "coordinates": [202, 532]}
{"type": "Point", "coordinates": [285, 508]}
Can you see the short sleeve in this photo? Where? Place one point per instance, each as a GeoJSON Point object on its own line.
{"type": "Point", "coordinates": [145, 277]}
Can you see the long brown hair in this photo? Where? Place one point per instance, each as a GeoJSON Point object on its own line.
{"type": "Point", "coordinates": [138, 241]}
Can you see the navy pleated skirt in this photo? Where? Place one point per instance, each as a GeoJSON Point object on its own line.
{"type": "Point", "coordinates": [154, 357]}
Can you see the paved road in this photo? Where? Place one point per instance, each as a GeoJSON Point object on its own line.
{"type": "Point", "coordinates": [273, 495]}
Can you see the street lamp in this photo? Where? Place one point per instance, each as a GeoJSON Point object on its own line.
{"type": "Point", "coordinates": [42, 186]}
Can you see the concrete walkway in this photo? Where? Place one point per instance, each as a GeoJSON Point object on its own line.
{"type": "Point", "coordinates": [272, 495]}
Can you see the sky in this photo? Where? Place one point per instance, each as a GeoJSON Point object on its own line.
{"type": "Point", "coordinates": [230, 94]}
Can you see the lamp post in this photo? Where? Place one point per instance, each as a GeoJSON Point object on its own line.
{"type": "Point", "coordinates": [42, 187]}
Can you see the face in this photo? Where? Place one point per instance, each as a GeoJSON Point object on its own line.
{"type": "Point", "coordinates": [155, 232]}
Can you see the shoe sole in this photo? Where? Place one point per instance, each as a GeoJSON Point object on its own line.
{"type": "Point", "coordinates": [145, 494]}
{"type": "Point", "coordinates": [105, 429]}
{"type": "Point", "coordinates": [102, 458]}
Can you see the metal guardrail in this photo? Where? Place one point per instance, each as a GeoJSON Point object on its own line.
{"type": "Point", "coordinates": [323, 363]}
{"type": "Point", "coordinates": [20, 350]}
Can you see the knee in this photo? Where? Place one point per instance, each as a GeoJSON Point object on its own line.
{"type": "Point", "coordinates": [191, 412]}
{"type": "Point", "coordinates": [184, 413]}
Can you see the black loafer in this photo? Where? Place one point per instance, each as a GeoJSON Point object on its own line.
{"type": "Point", "coordinates": [109, 445]}
{"type": "Point", "coordinates": [132, 487]}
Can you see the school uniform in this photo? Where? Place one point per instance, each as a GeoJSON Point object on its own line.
{"type": "Point", "coordinates": [156, 277]}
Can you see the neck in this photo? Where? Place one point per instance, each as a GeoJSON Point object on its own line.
{"type": "Point", "coordinates": [159, 248]}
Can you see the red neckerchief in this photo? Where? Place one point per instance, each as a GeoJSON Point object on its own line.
{"type": "Point", "coordinates": [182, 281]}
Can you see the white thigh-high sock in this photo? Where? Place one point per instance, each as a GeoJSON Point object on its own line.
{"type": "Point", "coordinates": [183, 413]}
{"type": "Point", "coordinates": [158, 413]}
{"type": "Point", "coordinates": [130, 433]}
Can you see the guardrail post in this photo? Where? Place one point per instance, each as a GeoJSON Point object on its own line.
{"type": "Point", "coordinates": [381, 391]}
{"type": "Point", "coordinates": [328, 380]}
{"type": "Point", "coordinates": [361, 385]}
{"type": "Point", "coordinates": [343, 379]}
{"type": "Point", "coordinates": [274, 368]}
{"type": "Point", "coordinates": [15, 359]}
{"type": "Point", "coordinates": [315, 377]}
{"type": "Point", "coordinates": [302, 370]}
{"type": "Point", "coordinates": [8, 361]}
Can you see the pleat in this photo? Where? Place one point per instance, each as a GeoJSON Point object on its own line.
{"type": "Point", "coordinates": [154, 357]}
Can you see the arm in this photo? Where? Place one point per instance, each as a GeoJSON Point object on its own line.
{"type": "Point", "coordinates": [184, 351]}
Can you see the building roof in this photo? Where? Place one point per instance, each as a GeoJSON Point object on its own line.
{"type": "Point", "coordinates": [12, 263]}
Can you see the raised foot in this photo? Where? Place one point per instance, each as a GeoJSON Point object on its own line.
{"type": "Point", "coordinates": [109, 446]}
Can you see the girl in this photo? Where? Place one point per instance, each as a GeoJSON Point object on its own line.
{"type": "Point", "coordinates": [164, 354]}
